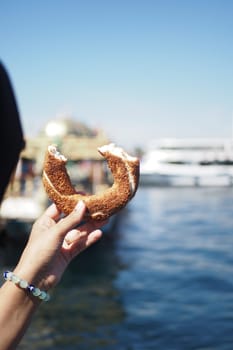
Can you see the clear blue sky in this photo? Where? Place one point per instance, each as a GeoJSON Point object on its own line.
{"type": "Point", "coordinates": [139, 69]}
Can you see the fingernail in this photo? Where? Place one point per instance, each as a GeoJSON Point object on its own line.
{"type": "Point", "coordinates": [79, 206]}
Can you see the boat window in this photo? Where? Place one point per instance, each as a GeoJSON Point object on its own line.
{"type": "Point", "coordinates": [192, 148]}
{"type": "Point", "coordinates": [217, 162]}
{"type": "Point", "coordinates": [176, 162]}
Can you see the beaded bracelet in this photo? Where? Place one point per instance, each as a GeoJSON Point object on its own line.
{"type": "Point", "coordinates": [36, 292]}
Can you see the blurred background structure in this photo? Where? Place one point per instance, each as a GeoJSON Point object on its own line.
{"type": "Point", "coordinates": [86, 167]}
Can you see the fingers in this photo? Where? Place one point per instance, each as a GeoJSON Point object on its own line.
{"type": "Point", "coordinates": [72, 220]}
{"type": "Point", "coordinates": [82, 243]}
{"type": "Point", "coordinates": [52, 212]}
{"type": "Point", "coordinates": [81, 238]}
{"type": "Point", "coordinates": [72, 236]}
{"type": "Point", "coordinates": [83, 230]}
{"type": "Point", "coordinates": [93, 237]}
{"type": "Point", "coordinates": [65, 232]}
{"type": "Point", "coordinates": [47, 219]}
{"type": "Point", "coordinates": [52, 215]}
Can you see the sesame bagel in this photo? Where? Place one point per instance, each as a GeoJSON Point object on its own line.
{"type": "Point", "coordinates": [125, 172]}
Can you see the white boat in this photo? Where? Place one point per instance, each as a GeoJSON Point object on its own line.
{"type": "Point", "coordinates": [188, 162]}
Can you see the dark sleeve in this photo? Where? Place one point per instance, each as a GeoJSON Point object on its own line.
{"type": "Point", "coordinates": [11, 134]}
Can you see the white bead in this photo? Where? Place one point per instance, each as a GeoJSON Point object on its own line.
{"type": "Point", "coordinates": [42, 295]}
{"type": "Point", "coordinates": [36, 292]}
{"type": "Point", "coordinates": [47, 297]}
{"type": "Point", "coordinates": [15, 279]}
{"type": "Point", "coordinates": [9, 276]}
{"type": "Point", "coordinates": [23, 284]}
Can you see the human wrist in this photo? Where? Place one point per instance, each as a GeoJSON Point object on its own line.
{"type": "Point", "coordinates": [29, 288]}
{"type": "Point", "coordinates": [37, 275]}
{"type": "Point", "coordinates": [29, 275]}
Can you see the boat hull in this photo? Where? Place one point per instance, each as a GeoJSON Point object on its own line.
{"type": "Point", "coordinates": [185, 181]}
{"type": "Point", "coordinates": [188, 162]}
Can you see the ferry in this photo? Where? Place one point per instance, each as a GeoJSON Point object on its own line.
{"type": "Point", "coordinates": [188, 162]}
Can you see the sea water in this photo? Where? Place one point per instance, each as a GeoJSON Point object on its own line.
{"type": "Point", "coordinates": [161, 280]}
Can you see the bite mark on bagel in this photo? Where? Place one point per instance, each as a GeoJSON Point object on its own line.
{"type": "Point", "coordinates": [125, 172]}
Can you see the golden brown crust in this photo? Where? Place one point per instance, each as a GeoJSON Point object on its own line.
{"type": "Point", "coordinates": [99, 206]}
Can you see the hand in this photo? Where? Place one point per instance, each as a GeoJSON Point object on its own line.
{"type": "Point", "coordinates": [53, 243]}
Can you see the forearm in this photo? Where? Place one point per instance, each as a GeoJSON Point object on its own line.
{"type": "Point", "coordinates": [51, 247]}
{"type": "Point", "coordinates": [17, 308]}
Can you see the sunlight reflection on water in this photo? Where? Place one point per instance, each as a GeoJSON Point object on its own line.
{"type": "Point", "coordinates": [163, 280]}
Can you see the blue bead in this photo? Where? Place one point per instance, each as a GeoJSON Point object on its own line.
{"type": "Point", "coordinates": [5, 274]}
{"type": "Point", "coordinates": [8, 275]}
{"type": "Point", "coordinates": [31, 288]}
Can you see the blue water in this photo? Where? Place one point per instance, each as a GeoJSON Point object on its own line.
{"type": "Point", "coordinates": [177, 289]}
{"type": "Point", "coordinates": [162, 280]}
